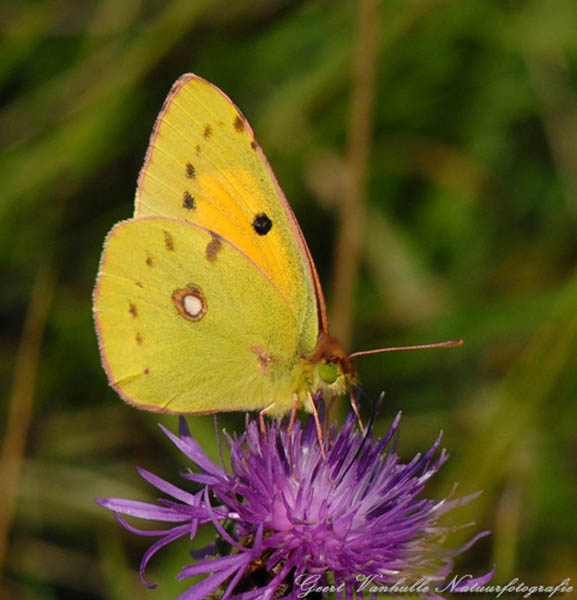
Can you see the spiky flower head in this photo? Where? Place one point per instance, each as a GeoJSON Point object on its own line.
{"type": "Point", "coordinates": [290, 521]}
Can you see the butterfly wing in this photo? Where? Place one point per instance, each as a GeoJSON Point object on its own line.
{"type": "Point", "coordinates": [204, 166]}
{"type": "Point", "coordinates": [189, 323]}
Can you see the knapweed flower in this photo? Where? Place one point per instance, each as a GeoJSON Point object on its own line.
{"type": "Point", "coordinates": [290, 521]}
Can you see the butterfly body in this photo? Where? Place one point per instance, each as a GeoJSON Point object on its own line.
{"type": "Point", "coordinates": [207, 299]}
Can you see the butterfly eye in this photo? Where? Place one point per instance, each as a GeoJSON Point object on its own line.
{"type": "Point", "coordinates": [328, 372]}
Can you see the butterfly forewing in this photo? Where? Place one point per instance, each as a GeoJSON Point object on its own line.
{"type": "Point", "coordinates": [204, 166]}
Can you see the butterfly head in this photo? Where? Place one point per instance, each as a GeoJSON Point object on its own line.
{"type": "Point", "coordinates": [334, 372]}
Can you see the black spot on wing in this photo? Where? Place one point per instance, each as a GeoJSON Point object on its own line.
{"type": "Point", "coordinates": [190, 170]}
{"type": "Point", "coordinates": [188, 201]}
{"type": "Point", "coordinates": [262, 224]}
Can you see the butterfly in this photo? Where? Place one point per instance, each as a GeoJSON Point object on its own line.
{"type": "Point", "coordinates": [208, 299]}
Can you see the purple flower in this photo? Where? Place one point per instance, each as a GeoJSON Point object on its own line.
{"type": "Point", "coordinates": [289, 521]}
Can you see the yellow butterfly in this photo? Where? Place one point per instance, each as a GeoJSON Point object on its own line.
{"type": "Point", "coordinates": [208, 299]}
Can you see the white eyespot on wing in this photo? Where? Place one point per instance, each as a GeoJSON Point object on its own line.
{"type": "Point", "coordinates": [190, 302]}
{"type": "Point", "coordinates": [193, 305]}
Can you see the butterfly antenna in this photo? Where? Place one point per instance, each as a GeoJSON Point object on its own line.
{"type": "Point", "coordinates": [447, 344]}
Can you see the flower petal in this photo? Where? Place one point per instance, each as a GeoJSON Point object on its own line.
{"type": "Point", "coordinates": [143, 510]}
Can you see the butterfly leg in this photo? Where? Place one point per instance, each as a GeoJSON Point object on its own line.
{"type": "Point", "coordinates": [264, 412]}
{"type": "Point", "coordinates": [261, 415]}
{"type": "Point", "coordinates": [293, 413]}
{"type": "Point", "coordinates": [293, 418]}
{"type": "Point", "coordinates": [355, 408]}
{"type": "Point", "coordinates": [318, 424]}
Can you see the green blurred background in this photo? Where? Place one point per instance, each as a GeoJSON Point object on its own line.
{"type": "Point", "coordinates": [465, 170]}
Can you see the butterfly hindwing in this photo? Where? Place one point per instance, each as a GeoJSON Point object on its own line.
{"type": "Point", "coordinates": [188, 323]}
